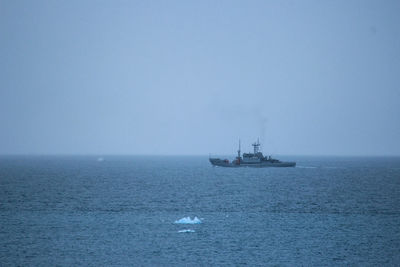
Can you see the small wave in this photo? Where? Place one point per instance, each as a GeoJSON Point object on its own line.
{"type": "Point", "coordinates": [186, 231]}
{"type": "Point", "coordinates": [306, 167]}
{"type": "Point", "coordinates": [188, 220]}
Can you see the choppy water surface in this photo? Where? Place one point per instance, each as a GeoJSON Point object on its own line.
{"type": "Point", "coordinates": [133, 211]}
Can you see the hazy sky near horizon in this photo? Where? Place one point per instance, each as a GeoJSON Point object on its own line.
{"type": "Point", "coordinates": [191, 77]}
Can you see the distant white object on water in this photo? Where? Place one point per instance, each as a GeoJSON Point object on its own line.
{"type": "Point", "coordinates": [306, 167]}
{"type": "Point", "coordinates": [100, 159]}
{"type": "Point", "coordinates": [186, 231]}
{"type": "Point", "coordinates": [187, 220]}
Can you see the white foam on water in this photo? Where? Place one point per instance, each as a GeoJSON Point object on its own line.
{"type": "Point", "coordinates": [186, 231]}
{"type": "Point", "coordinates": [306, 167]}
{"type": "Point", "coordinates": [188, 220]}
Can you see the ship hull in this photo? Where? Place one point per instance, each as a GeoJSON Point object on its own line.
{"type": "Point", "coordinates": [265, 164]}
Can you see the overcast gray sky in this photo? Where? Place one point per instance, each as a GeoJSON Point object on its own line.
{"type": "Point", "coordinates": [191, 77]}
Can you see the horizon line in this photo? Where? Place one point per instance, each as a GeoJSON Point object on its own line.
{"type": "Point", "coordinates": [190, 155]}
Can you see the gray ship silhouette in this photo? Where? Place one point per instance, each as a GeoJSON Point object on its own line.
{"type": "Point", "coordinates": [255, 159]}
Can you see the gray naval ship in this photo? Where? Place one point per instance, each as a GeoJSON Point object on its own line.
{"type": "Point", "coordinates": [255, 159]}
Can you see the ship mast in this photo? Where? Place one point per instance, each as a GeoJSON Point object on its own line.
{"type": "Point", "coordinates": [239, 150]}
{"type": "Point", "coordinates": [256, 146]}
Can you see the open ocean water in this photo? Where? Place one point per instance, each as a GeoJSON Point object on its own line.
{"type": "Point", "coordinates": [75, 210]}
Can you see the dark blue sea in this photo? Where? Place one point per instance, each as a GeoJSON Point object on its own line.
{"type": "Point", "coordinates": [121, 211]}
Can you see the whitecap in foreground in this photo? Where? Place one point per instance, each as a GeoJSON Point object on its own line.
{"type": "Point", "coordinates": [188, 220]}
{"type": "Point", "coordinates": [186, 231]}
